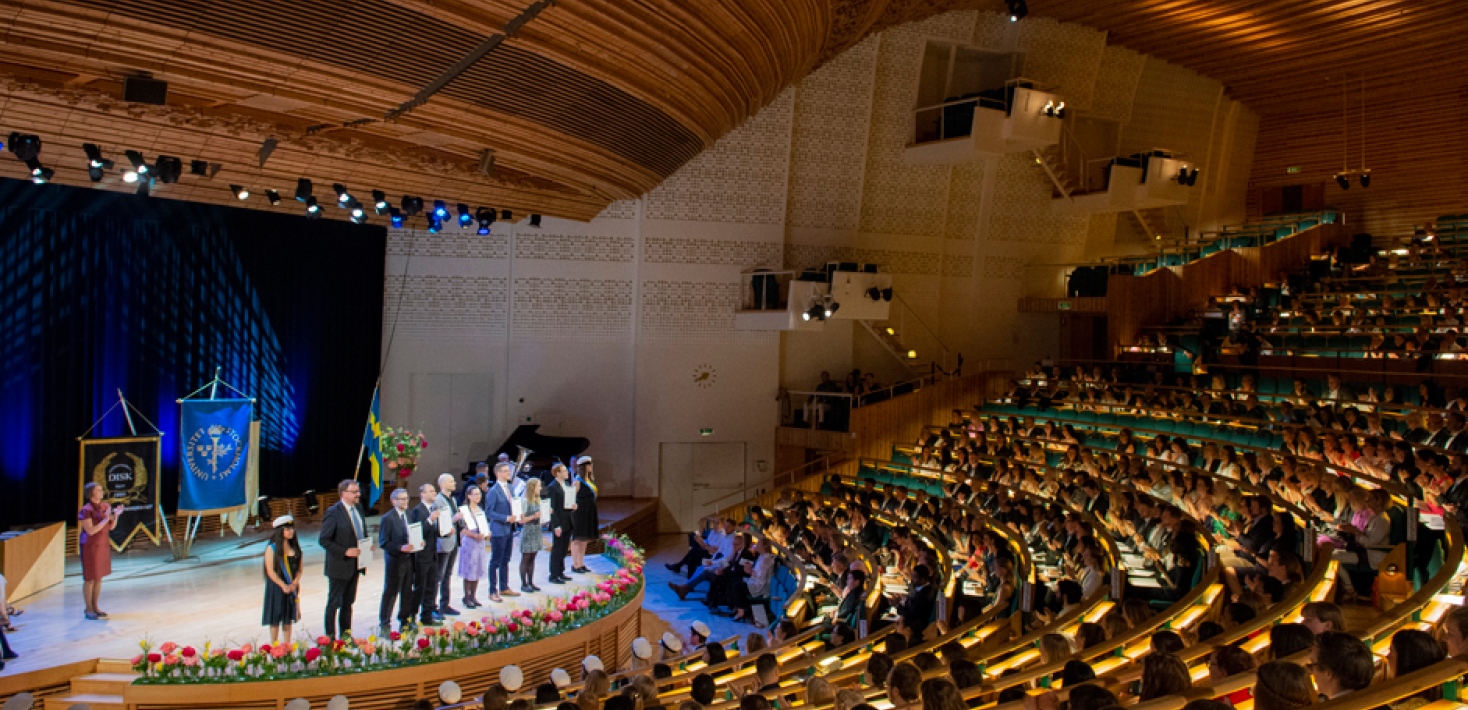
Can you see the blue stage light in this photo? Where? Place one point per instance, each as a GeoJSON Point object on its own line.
{"type": "Point", "coordinates": [434, 225]}
{"type": "Point", "coordinates": [464, 217]}
{"type": "Point", "coordinates": [397, 218]}
{"type": "Point", "coordinates": [440, 210]}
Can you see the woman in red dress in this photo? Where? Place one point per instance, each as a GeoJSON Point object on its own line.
{"type": "Point", "coordinates": [97, 521]}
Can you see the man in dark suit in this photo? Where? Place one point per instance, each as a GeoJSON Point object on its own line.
{"type": "Point", "coordinates": [502, 521]}
{"type": "Point", "coordinates": [853, 598]}
{"type": "Point", "coordinates": [559, 523]}
{"type": "Point", "coordinates": [425, 560]}
{"type": "Point", "coordinates": [341, 529]}
{"type": "Point", "coordinates": [397, 583]}
{"type": "Point", "coordinates": [915, 611]}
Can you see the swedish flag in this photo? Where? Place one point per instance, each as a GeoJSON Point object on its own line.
{"type": "Point", "coordinates": [369, 445]}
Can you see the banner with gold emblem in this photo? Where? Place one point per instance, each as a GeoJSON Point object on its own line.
{"type": "Point", "coordinates": [216, 455]}
{"type": "Point", "coordinates": [127, 469]}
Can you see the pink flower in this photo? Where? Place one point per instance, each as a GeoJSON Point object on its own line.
{"type": "Point", "coordinates": [472, 630]}
{"type": "Point", "coordinates": [170, 660]}
{"type": "Point", "coordinates": [322, 640]}
{"type": "Point", "coordinates": [279, 651]}
{"type": "Point", "coordinates": [247, 648]}
{"type": "Point", "coordinates": [188, 652]}
{"type": "Point", "coordinates": [191, 661]}
{"type": "Point", "coordinates": [167, 647]}
{"type": "Point", "coordinates": [137, 659]}
{"type": "Point", "coordinates": [312, 654]}
{"type": "Point", "coordinates": [491, 629]}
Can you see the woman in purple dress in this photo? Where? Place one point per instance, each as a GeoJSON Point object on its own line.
{"type": "Point", "coordinates": [97, 521]}
{"type": "Point", "coordinates": [473, 565]}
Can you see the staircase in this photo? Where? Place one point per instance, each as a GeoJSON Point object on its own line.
{"type": "Point", "coordinates": [908, 339]}
{"type": "Point", "coordinates": [1052, 160]}
{"type": "Point", "coordinates": [101, 690]}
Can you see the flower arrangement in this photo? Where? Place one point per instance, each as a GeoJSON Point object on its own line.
{"type": "Point", "coordinates": [400, 449]}
{"type": "Point", "coordinates": [170, 663]}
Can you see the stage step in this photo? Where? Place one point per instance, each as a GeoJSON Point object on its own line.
{"type": "Point", "coordinates": [113, 665]}
{"type": "Point", "coordinates": [102, 683]}
{"type": "Point", "coordinates": [94, 702]}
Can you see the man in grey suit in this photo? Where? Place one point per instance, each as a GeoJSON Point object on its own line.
{"type": "Point", "coordinates": [448, 548]}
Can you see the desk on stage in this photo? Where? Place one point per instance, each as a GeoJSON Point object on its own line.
{"type": "Point", "coordinates": [32, 560]}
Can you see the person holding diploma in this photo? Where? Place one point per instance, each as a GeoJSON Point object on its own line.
{"type": "Point", "coordinates": [587, 521]}
{"type": "Point", "coordinates": [531, 535]}
{"type": "Point", "coordinates": [397, 582]}
{"type": "Point", "coordinates": [561, 497]}
{"type": "Point", "coordinates": [343, 535]}
{"type": "Point", "coordinates": [97, 520]}
{"type": "Point", "coordinates": [282, 580]}
{"type": "Point", "coordinates": [423, 535]}
{"type": "Point", "coordinates": [472, 565]}
{"type": "Point", "coordinates": [500, 506]}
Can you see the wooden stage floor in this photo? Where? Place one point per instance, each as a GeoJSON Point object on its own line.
{"type": "Point", "coordinates": [218, 598]}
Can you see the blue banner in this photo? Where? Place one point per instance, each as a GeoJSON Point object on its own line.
{"type": "Point", "coordinates": [216, 454]}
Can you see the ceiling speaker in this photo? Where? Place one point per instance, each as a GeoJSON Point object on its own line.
{"type": "Point", "coordinates": [145, 90]}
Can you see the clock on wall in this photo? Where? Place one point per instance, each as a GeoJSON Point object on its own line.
{"type": "Point", "coordinates": [705, 376]}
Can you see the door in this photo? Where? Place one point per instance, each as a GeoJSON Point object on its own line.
{"type": "Point", "coordinates": [696, 479]}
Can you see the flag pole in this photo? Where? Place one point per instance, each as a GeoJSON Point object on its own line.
{"type": "Point", "coordinates": [362, 450]}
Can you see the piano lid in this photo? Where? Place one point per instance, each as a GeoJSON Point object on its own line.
{"type": "Point", "coordinates": [546, 449]}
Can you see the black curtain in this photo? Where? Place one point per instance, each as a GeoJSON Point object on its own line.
{"type": "Point", "coordinates": [101, 291]}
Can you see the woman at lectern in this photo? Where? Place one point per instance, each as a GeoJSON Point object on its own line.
{"type": "Point", "coordinates": [584, 519]}
{"type": "Point", "coordinates": [97, 521]}
{"type": "Point", "coordinates": [282, 580]}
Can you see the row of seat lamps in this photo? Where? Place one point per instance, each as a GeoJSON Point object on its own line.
{"type": "Point", "coordinates": [168, 169]}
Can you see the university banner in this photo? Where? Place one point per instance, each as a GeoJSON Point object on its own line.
{"type": "Point", "coordinates": [127, 470]}
{"type": "Point", "coordinates": [216, 455]}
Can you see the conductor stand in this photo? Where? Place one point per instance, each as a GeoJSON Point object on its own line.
{"type": "Point", "coordinates": [218, 471]}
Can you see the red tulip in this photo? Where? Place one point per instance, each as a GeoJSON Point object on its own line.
{"type": "Point", "coordinates": [422, 444]}
{"type": "Point", "coordinates": [512, 627]}
{"type": "Point", "coordinates": [188, 652]}
{"type": "Point", "coordinates": [422, 643]}
{"type": "Point", "coordinates": [155, 658]}
{"type": "Point", "coordinates": [322, 640]}
{"type": "Point", "coordinates": [312, 654]}
{"type": "Point", "coordinates": [236, 655]}
{"type": "Point", "coordinates": [401, 448]}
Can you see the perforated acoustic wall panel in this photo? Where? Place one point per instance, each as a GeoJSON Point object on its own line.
{"type": "Point", "coordinates": [447, 307]}
{"type": "Point", "coordinates": [565, 308]}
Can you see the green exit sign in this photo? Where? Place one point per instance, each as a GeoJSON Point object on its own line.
{"type": "Point", "coordinates": [1063, 305]}
{"type": "Point", "coordinates": [706, 432]}
{"type": "Point", "coordinates": [1292, 169]}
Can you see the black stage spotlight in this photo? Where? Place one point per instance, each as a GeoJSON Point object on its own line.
{"type": "Point", "coordinates": [141, 168]}
{"type": "Point", "coordinates": [535, 220]}
{"type": "Point", "coordinates": [464, 216]}
{"type": "Point", "coordinates": [434, 224]}
{"type": "Point", "coordinates": [1343, 180]}
{"type": "Point", "coordinates": [1366, 179]}
{"type": "Point", "coordinates": [240, 193]}
{"type": "Point", "coordinates": [303, 189]}
{"type": "Point", "coordinates": [272, 197]}
{"type": "Point", "coordinates": [25, 146]}
{"type": "Point", "coordinates": [874, 293]}
{"type": "Point", "coordinates": [412, 205]}
{"type": "Point", "coordinates": [144, 181]}
{"type": "Point", "coordinates": [1060, 110]}
{"type": "Point", "coordinates": [169, 168]}
{"type": "Point", "coordinates": [507, 215]}
{"type": "Point", "coordinates": [887, 294]}
{"type": "Point", "coordinates": [359, 213]}
{"type": "Point", "coordinates": [379, 202]}
{"type": "Point", "coordinates": [313, 210]}
{"type": "Point", "coordinates": [815, 312]}
{"type": "Point", "coordinates": [199, 167]}
{"type": "Point", "coordinates": [97, 166]}
{"type": "Point", "coordinates": [1017, 10]}
{"type": "Point", "coordinates": [41, 175]}
{"type": "Point", "coordinates": [485, 217]}
{"type": "Point", "coordinates": [831, 308]}
{"type": "Point", "coordinates": [343, 198]}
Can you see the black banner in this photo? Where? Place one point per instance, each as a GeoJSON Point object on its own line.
{"type": "Point", "coordinates": [127, 469]}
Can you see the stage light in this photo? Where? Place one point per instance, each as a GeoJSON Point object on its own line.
{"type": "Point", "coordinates": [831, 308]}
{"type": "Point", "coordinates": [379, 202]}
{"type": "Point", "coordinates": [343, 198]}
{"type": "Point", "coordinates": [892, 331]}
{"type": "Point", "coordinates": [1018, 10]}
{"type": "Point", "coordinates": [272, 197]}
{"type": "Point", "coordinates": [1060, 110]}
{"type": "Point", "coordinates": [303, 190]}
{"type": "Point", "coordinates": [535, 221]}
{"type": "Point", "coordinates": [1343, 180]}
{"type": "Point", "coordinates": [507, 215]}
{"type": "Point", "coordinates": [359, 214]}
{"type": "Point", "coordinates": [434, 224]}
{"type": "Point", "coordinates": [912, 354]}
{"type": "Point", "coordinates": [313, 210]}
{"type": "Point", "coordinates": [412, 205]}
{"type": "Point", "coordinates": [464, 217]}
{"type": "Point", "coordinates": [240, 193]}
{"type": "Point", "coordinates": [396, 216]}
{"type": "Point", "coordinates": [130, 176]}
{"type": "Point", "coordinates": [1049, 109]}
{"type": "Point", "coordinates": [199, 167]}
{"type": "Point", "coordinates": [1366, 179]}
{"type": "Point", "coordinates": [42, 175]}
{"type": "Point", "coordinates": [874, 293]}
{"type": "Point", "coordinates": [887, 294]}
{"type": "Point", "coordinates": [141, 168]}
{"type": "Point", "coordinates": [440, 211]}
{"type": "Point", "coordinates": [97, 166]}
{"type": "Point", "coordinates": [145, 184]}
{"type": "Point", "coordinates": [25, 146]}
{"type": "Point", "coordinates": [1182, 175]}
{"type": "Point", "coordinates": [169, 169]}
{"type": "Point", "coordinates": [814, 313]}
{"type": "Point", "coordinates": [485, 217]}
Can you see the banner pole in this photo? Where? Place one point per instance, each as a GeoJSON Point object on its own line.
{"type": "Point", "coordinates": [126, 413]}
{"type": "Point", "coordinates": [214, 386]}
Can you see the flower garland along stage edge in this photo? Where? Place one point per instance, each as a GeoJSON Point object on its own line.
{"type": "Point", "coordinates": [170, 663]}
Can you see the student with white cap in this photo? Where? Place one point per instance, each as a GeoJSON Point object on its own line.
{"type": "Point", "coordinates": [282, 579]}
{"type": "Point", "coordinates": [698, 635]}
{"type": "Point", "coordinates": [512, 678]}
{"type": "Point", "coordinates": [585, 521]}
{"type": "Point", "coordinates": [671, 646]}
{"type": "Point", "coordinates": [560, 678]}
{"type": "Point", "coordinates": [641, 653]}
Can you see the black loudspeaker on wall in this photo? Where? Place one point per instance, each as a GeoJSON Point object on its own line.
{"type": "Point", "coordinates": [144, 90]}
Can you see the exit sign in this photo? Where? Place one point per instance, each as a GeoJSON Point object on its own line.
{"type": "Point", "coordinates": [706, 432]}
{"type": "Point", "coordinates": [1063, 305]}
{"type": "Point", "coordinates": [1292, 169]}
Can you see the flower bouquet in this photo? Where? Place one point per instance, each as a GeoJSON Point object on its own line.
{"type": "Point", "coordinates": [400, 449]}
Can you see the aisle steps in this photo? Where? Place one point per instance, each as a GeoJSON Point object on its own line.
{"type": "Point", "coordinates": [101, 690]}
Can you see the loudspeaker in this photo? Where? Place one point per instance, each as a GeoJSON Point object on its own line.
{"type": "Point", "coordinates": [144, 90]}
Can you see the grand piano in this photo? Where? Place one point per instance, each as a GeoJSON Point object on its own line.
{"type": "Point", "coordinates": [545, 451]}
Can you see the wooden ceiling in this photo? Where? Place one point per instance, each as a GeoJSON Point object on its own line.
{"type": "Point", "coordinates": [590, 100]}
